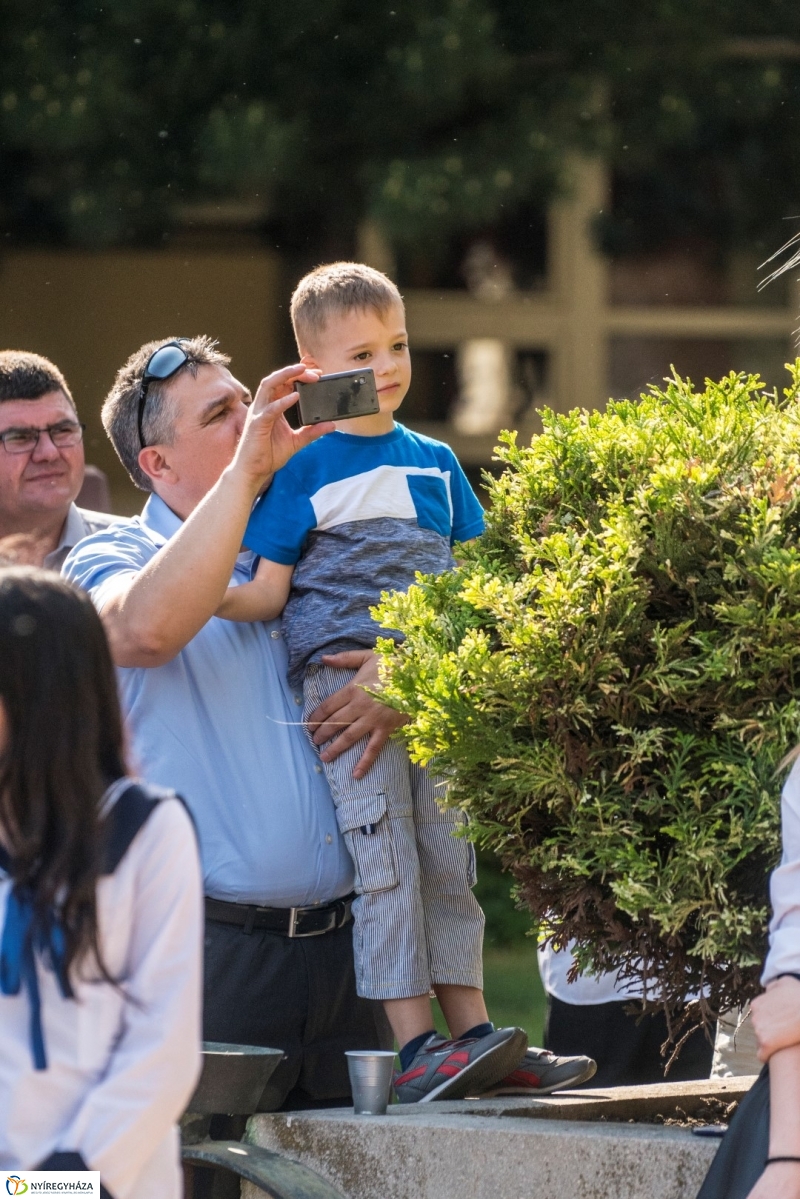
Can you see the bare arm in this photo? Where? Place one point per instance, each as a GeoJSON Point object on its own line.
{"type": "Point", "coordinates": [155, 614]}
{"type": "Point", "coordinates": [262, 599]}
{"type": "Point", "coordinates": [781, 1180]}
{"type": "Point", "coordinates": [158, 612]}
{"type": "Point", "coordinates": [352, 713]}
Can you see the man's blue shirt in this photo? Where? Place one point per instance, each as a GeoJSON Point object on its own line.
{"type": "Point", "coordinates": [220, 724]}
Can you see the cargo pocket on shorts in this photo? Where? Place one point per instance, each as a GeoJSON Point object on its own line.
{"type": "Point", "coordinates": [368, 835]}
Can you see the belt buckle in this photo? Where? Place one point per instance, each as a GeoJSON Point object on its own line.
{"type": "Point", "coordinates": [317, 932]}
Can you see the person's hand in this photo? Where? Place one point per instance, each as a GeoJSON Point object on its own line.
{"type": "Point", "coordinates": [351, 713]}
{"type": "Point", "coordinates": [779, 1181]}
{"type": "Point", "coordinates": [776, 1017]}
{"type": "Point", "coordinates": [268, 441]}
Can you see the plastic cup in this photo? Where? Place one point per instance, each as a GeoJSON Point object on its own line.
{"type": "Point", "coordinates": [371, 1072]}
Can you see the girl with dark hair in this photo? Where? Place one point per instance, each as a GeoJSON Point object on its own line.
{"type": "Point", "coordinates": [100, 913]}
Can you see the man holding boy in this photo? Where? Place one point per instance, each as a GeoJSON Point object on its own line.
{"type": "Point", "coordinates": [176, 419]}
{"type": "Point", "coordinates": [210, 713]}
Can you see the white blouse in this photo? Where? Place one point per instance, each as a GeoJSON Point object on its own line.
{"type": "Point", "coordinates": [784, 928]}
{"type": "Point", "coordinates": [122, 1064]}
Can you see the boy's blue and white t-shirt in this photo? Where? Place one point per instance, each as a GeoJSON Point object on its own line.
{"type": "Point", "coordinates": [357, 516]}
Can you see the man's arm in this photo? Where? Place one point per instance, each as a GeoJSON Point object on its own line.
{"type": "Point", "coordinates": [352, 713]}
{"type": "Point", "coordinates": [157, 612]}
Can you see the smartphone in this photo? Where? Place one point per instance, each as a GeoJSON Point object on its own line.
{"type": "Point", "coordinates": [338, 397]}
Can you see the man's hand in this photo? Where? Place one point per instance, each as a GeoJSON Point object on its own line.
{"type": "Point", "coordinates": [350, 713]}
{"type": "Point", "coordinates": [268, 441]}
{"type": "Point", "coordinates": [162, 607]}
{"type": "Point", "coordinates": [776, 1017]}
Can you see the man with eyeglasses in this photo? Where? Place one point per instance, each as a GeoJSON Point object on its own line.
{"type": "Point", "coordinates": [41, 464]}
{"type": "Point", "coordinates": [211, 714]}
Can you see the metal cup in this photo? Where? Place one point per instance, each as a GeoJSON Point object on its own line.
{"type": "Point", "coordinates": [370, 1079]}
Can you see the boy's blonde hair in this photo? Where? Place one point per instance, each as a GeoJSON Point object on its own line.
{"type": "Point", "coordinates": [337, 288]}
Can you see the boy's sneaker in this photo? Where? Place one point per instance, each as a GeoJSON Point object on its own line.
{"type": "Point", "coordinates": [540, 1072]}
{"type": "Point", "coordinates": [453, 1069]}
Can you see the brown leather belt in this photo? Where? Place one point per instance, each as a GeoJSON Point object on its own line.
{"type": "Point", "coordinates": [288, 922]}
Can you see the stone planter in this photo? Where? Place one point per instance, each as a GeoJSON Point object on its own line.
{"type": "Point", "coordinates": [576, 1145]}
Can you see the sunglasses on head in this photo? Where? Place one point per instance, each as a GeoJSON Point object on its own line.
{"type": "Point", "coordinates": [162, 364]}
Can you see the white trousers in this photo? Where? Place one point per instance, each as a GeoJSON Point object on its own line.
{"type": "Point", "coordinates": [735, 1045]}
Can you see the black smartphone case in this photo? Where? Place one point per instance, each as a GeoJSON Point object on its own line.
{"type": "Point", "coordinates": [338, 397]}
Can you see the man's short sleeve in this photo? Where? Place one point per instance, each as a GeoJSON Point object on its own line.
{"type": "Point", "coordinates": [281, 520]}
{"type": "Point", "coordinates": [104, 563]}
{"type": "Point", "coordinates": [467, 510]}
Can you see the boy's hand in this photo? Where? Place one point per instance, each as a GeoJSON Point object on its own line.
{"type": "Point", "coordinates": [351, 713]}
{"type": "Point", "coordinates": [268, 441]}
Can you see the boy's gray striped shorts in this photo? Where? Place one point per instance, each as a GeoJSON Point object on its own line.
{"type": "Point", "coordinates": [416, 921]}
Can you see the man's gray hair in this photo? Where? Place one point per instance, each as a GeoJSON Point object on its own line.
{"type": "Point", "coordinates": [121, 408]}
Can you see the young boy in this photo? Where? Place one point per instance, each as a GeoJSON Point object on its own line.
{"type": "Point", "coordinates": [355, 514]}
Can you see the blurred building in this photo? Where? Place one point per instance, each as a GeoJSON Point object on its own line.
{"type": "Point", "coordinates": [526, 315]}
{"type": "Point", "coordinates": [586, 328]}
{"type": "Point", "coordinates": [88, 311]}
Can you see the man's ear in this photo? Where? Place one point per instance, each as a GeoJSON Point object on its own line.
{"type": "Point", "coordinates": [154, 462]}
{"type": "Point", "coordinates": [309, 360]}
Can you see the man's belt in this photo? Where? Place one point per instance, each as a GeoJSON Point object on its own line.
{"type": "Point", "coordinates": [288, 922]}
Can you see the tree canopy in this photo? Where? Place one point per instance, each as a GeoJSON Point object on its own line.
{"type": "Point", "coordinates": [429, 117]}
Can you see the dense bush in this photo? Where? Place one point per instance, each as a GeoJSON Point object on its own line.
{"type": "Point", "coordinates": [610, 678]}
{"type": "Point", "coordinates": [507, 925]}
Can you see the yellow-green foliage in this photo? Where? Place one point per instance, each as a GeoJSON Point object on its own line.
{"type": "Point", "coordinates": [610, 678]}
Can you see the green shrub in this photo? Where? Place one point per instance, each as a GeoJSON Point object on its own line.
{"type": "Point", "coordinates": [507, 926]}
{"type": "Point", "coordinates": [610, 678]}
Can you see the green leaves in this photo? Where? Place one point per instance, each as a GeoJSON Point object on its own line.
{"type": "Point", "coordinates": [609, 679]}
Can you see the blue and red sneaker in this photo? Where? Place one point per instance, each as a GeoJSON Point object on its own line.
{"type": "Point", "coordinates": [453, 1069]}
{"type": "Point", "coordinates": [540, 1072]}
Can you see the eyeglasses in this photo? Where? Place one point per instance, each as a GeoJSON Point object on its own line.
{"type": "Point", "coordinates": [25, 440]}
{"type": "Point", "coordinates": [162, 364]}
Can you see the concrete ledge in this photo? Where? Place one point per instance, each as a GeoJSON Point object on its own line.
{"type": "Point", "coordinates": [666, 1101]}
{"type": "Point", "coordinates": [506, 1148]}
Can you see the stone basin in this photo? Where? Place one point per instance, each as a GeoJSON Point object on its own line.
{"type": "Point", "coordinates": [233, 1078]}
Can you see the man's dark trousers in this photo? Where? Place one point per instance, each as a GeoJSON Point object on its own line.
{"type": "Point", "coordinates": [297, 994]}
{"type": "Point", "coordinates": [627, 1048]}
